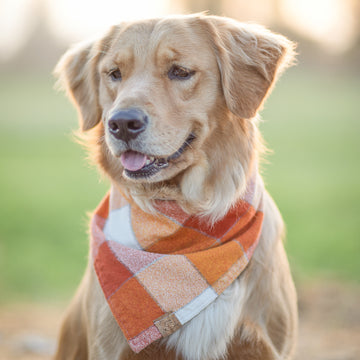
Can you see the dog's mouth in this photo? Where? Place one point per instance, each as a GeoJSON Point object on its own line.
{"type": "Point", "coordinates": [139, 165]}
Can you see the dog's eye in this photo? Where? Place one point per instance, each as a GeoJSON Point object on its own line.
{"type": "Point", "coordinates": [180, 73]}
{"type": "Point", "coordinates": [115, 75]}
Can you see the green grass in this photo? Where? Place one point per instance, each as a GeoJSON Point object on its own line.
{"type": "Point", "coordinates": [311, 122]}
{"type": "Point", "coordinates": [46, 190]}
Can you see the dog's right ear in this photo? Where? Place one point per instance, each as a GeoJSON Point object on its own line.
{"type": "Point", "coordinates": [77, 74]}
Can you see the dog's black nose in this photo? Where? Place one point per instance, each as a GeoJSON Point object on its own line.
{"type": "Point", "coordinates": [127, 124]}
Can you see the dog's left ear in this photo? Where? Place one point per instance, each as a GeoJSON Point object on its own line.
{"type": "Point", "coordinates": [250, 58]}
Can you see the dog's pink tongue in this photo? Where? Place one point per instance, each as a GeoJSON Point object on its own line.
{"type": "Point", "coordinates": [133, 160]}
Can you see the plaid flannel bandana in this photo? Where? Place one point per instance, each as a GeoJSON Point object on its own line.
{"type": "Point", "coordinates": [159, 271]}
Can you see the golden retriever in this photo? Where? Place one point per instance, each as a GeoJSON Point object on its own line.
{"type": "Point", "coordinates": [187, 91]}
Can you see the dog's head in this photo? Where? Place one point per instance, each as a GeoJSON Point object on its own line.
{"type": "Point", "coordinates": [172, 104]}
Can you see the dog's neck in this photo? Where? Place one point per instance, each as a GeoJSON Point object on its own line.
{"type": "Point", "coordinates": [211, 209]}
{"type": "Point", "coordinates": [215, 183]}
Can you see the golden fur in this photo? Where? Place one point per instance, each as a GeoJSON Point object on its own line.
{"type": "Point", "coordinates": [235, 66]}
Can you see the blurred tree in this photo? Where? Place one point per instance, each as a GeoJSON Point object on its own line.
{"type": "Point", "coordinates": [215, 7]}
{"type": "Point", "coordinates": [41, 49]}
{"type": "Point", "coordinates": [356, 11]}
{"type": "Point", "coordinates": [354, 58]}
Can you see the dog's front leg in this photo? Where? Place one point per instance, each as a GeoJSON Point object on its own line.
{"type": "Point", "coordinates": [73, 341]}
{"type": "Point", "coordinates": [105, 339]}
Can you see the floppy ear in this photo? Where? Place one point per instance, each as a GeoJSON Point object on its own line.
{"type": "Point", "coordinates": [249, 58]}
{"type": "Point", "coordinates": [77, 73]}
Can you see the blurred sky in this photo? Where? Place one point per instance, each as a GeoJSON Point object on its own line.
{"type": "Point", "coordinates": [332, 23]}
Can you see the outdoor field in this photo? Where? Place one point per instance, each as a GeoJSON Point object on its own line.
{"type": "Point", "coordinates": [311, 123]}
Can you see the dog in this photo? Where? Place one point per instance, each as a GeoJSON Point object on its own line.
{"type": "Point", "coordinates": [168, 109]}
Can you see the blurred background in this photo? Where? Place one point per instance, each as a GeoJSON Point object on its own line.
{"type": "Point", "coordinates": [311, 122]}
